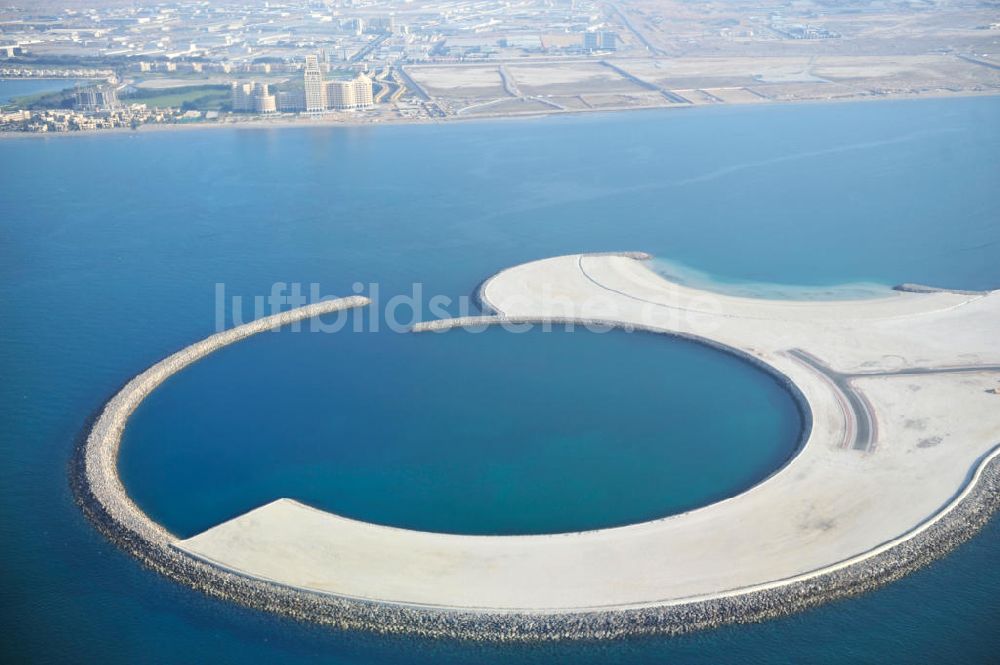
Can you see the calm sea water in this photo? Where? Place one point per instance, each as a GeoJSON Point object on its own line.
{"type": "Point", "coordinates": [486, 433]}
{"type": "Point", "coordinates": [111, 246]}
{"type": "Point", "coordinates": [11, 88]}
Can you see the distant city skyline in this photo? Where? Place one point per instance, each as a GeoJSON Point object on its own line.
{"type": "Point", "coordinates": [460, 60]}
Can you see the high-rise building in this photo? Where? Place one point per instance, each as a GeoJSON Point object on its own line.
{"type": "Point", "coordinates": [242, 97]}
{"type": "Point", "coordinates": [97, 98]}
{"type": "Point", "coordinates": [253, 98]}
{"type": "Point", "coordinates": [263, 100]}
{"type": "Point", "coordinates": [363, 95]}
{"type": "Point", "coordinates": [600, 40]}
{"type": "Point", "coordinates": [291, 101]}
{"type": "Point", "coordinates": [340, 94]}
{"type": "Point", "coordinates": [315, 90]}
{"type": "Point", "coordinates": [350, 94]}
{"type": "Point", "coordinates": [381, 25]}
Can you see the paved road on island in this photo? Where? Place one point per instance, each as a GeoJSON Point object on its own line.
{"type": "Point", "coordinates": [865, 428]}
{"type": "Point", "coordinates": [859, 412]}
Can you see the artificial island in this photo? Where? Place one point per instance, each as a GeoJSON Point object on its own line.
{"type": "Point", "coordinates": [897, 465]}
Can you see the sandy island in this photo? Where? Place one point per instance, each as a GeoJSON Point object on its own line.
{"type": "Point", "coordinates": [900, 462]}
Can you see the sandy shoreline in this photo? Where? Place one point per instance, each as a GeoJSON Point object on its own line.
{"type": "Point", "coordinates": [353, 123]}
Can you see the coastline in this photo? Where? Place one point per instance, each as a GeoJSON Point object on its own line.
{"type": "Point", "coordinates": [354, 123]}
{"type": "Point", "coordinates": [961, 521]}
{"type": "Point", "coordinates": [960, 518]}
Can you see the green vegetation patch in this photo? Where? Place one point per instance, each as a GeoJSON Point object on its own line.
{"type": "Point", "coordinates": [63, 99]}
{"type": "Point", "coordinates": [187, 98]}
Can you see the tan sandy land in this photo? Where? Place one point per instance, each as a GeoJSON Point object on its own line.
{"type": "Point", "coordinates": [829, 507]}
{"type": "Point", "coordinates": [575, 78]}
{"type": "Point", "coordinates": [459, 81]}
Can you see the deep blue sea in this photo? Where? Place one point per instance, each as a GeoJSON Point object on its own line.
{"type": "Point", "coordinates": [112, 247]}
{"type": "Point", "coordinates": [485, 433]}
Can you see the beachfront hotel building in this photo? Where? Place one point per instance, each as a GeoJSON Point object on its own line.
{"type": "Point", "coordinates": [291, 101]}
{"type": "Point", "coordinates": [363, 92]}
{"type": "Point", "coordinates": [315, 96]}
{"type": "Point", "coordinates": [315, 89]}
{"type": "Point", "coordinates": [252, 98]}
{"type": "Point", "coordinates": [263, 100]}
{"type": "Point", "coordinates": [240, 98]}
{"type": "Point", "coordinates": [350, 94]}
